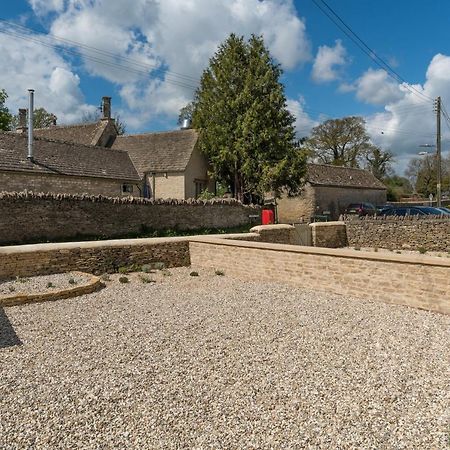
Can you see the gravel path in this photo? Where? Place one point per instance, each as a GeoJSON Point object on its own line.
{"type": "Point", "coordinates": [210, 362]}
{"type": "Point", "coordinates": [44, 283]}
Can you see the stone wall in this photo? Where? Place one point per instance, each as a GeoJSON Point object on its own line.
{"type": "Point", "coordinates": [329, 234]}
{"type": "Point", "coordinates": [19, 181]}
{"type": "Point", "coordinates": [28, 217]}
{"type": "Point", "coordinates": [395, 279]}
{"type": "Point", "coordinates": [277, 234]}
{"type": "Point", "coordinates": [432, 234]}
{"type": "Point", "coordinates": [92, 257]}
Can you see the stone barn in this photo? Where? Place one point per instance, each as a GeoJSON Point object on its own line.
{"type": "Point", "coordinates": [328, 190]}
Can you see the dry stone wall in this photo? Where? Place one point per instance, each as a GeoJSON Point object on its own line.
{"type": "Point", "coordinates": [28, 217]}
{"type": "Point", "coordinates": [431, 234]}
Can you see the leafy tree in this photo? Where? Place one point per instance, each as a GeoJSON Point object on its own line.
{"type": "Point", "coordinates": [186, 113]}
{"type": "Point", "coordinates": [5, 115]}
{"type": "Point", "coordinates": [423, 174]}
{"type": "Point", "coordinates": [41, 119]}
{"type": "Point", "coordinates": [378, 161]}
{"type": "Point", "coordinates": [397, 187]}
{"type": "Point", "coordinates": [246, 130]}
{"type": "Point", "coordinates": [90, 117]}
{"type": "Point", "coordinates": [341, 142]}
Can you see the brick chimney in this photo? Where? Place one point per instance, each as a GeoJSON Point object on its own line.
{"type": "Point", "coordinates": [22, 126]}
{"type": "Point", "coordinates": [106, 108]}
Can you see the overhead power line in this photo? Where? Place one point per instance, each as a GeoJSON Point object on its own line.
{"type": "Point", "coordinates": [81, 50]}
{"type": "Point", "coordinates": [339, 22]}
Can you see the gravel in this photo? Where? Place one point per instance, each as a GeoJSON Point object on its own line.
{"type": "Point", "coordinates": [210, 362]}
{"type": "Point", "coordinates": [44, 283]}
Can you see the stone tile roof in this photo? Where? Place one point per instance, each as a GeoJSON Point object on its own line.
{"type": "Point", "coordinates": [168, 151]}
{"type": "Point", "coordinates": [85, 133]}
{"type": "Point", "coordinates": [64, 158]}
{"type": "Point", "coordinates": [328, 175]}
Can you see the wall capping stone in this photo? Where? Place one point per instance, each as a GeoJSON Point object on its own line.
{"type": "Point", "coordinates": [334, 252]}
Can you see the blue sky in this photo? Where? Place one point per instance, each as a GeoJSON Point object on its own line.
{"type": "Point", "coordinates": [165, 45]}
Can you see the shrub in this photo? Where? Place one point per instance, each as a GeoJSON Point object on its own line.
{"type": "Point", "coordinates": [158, 265]}
{"type": "Point", "coordinates": [123, 280]}
{"type": "Point", "coordinates": [145, 279]}
{"type": "Point", "coordinates": [194, 274]}
{"type": "Point", "coordinates": [50, 284]}
{"type": "Point", "coordinates": [72, 281]}
{"type": "Point", "coordinates": [357, 248]}
{"type": "Point", "coordinates": [220, 272]}
{"type": "Point", "coordinates": [147, 268]}
{"type": "Point", "coordinates": [422, 250]}
{"type": "Point", "coordinates": [398, 251]}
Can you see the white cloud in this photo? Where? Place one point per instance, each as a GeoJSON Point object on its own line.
{"type": "Point", "coordinates": [178, 36]}
{"type": "Point", "coordinates": [377, 88]}
{"type": "Point", "coordinates": [410, 121]}
{"type": "Point", "coordinates": [303, 122]}
{"type": "Point", "coordinates": [26, 65]}
{"type": "Point", "coordinates": [328, 62]}
{"type": "Point", "coordinates": [43, 7]}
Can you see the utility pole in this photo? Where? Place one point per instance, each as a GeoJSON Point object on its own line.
{"type": "Point", "coordinates": [438, 150]}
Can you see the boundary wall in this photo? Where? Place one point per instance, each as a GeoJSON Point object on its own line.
{"type": "Point", "coordinates": [27, 217]}
{"type": "Point", "coordinates": [262, 255]}
{"type": "Point", "coordinates": [420, 282]}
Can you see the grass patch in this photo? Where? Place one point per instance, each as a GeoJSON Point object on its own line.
{"type": "Point", "coordinates": [124, 280]}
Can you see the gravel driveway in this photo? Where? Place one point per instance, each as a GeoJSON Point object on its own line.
{"type": "Point", "coordinates": [210, 362]}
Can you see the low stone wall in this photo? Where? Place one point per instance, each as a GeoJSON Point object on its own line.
{"type": "Point", "coordinates": [329, 234]}
{"type": "Point", "coordinates": [398, 279]}
{"type": "Point", "coordinates": [432, 234]}
{"type": "Point", "coordinates": [92, 257]}
{"type": "Point", "coordinates": [99, 257]}
{"type": "Point", "coordinates": [27, 217]}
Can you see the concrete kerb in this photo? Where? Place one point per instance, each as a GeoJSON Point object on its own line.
{"type": "Point", "coordinates": [94, 284]}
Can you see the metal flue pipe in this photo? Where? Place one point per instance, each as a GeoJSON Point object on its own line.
{"type": "Point", "coordinates": [30, 123]}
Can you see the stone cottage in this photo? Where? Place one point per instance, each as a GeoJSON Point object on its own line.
{"type": "Point", "coordinates": [328, 190]}
{"type": "Point", "coordinates": [170, 163]}
{"type": "Point", "coordinates": [65, 167]}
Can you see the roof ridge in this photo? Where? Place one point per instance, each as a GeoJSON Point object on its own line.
{"type": "Point", "coordinates": [61, 141]}
{"type": "Point", "coordinates": [339, 167]}
{"type": "Point", "coordinates": [52, 127]}
{"type": "Point", "coordinates": [156, 132]}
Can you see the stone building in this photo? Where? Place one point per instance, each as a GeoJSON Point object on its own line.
{"type": "Point", "coordinates": [328, 190]}
{"type": "Point", "coordinates": [169, 163]}
{"type": "Point", "coordinates": [156, 165]}
{"type": "Point", "coordinates": [65, 167]}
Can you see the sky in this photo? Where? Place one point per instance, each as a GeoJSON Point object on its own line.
{"type": "Point", "coordinates": [148, 55]}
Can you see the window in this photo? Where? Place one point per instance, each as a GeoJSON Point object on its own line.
{"type": "Point", "coordinates": [127, 188]}
{"type": "Point", "coordinates": [200, 186]}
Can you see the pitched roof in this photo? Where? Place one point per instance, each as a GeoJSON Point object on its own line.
{"type": "Point", "coordinates": [328, 175]}
{"type": "Point", "coordinates": [159, 152]}
{"type": "Point", "coordinates": [64, 158]}
{"type": "Point", "coordinates": [85, 133]}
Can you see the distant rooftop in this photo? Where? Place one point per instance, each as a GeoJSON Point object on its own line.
{"type": "Point", "coordinates": [329, 175]}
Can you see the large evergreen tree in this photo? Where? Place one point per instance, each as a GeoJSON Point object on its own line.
{"type": "Point", "coordinates": [5, 115]}
{"type": "Point", "coordinates": [246, 130]}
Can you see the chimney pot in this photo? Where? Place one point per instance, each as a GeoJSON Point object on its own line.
{"type": "Point", "coordinates": [106, 108]}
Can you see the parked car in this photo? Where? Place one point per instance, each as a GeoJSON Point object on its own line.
{"type": "Point", "coordinates": [383, 208]}
{"type": "Point", "coordinates": [361, 209]}
{"type": "Point", "coordinates": [444, 209]}
{"type": "Point", "coordinates": [414, 211]}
